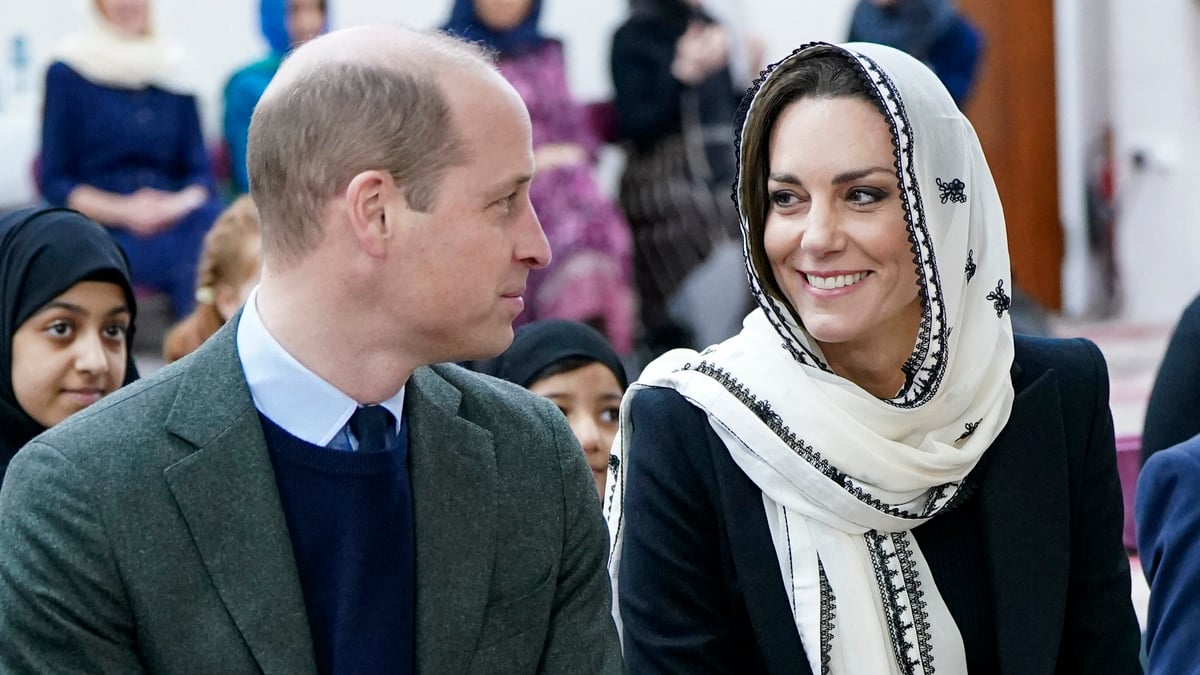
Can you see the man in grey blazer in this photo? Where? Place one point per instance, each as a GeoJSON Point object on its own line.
{"type": "Point", "coordinates": [244, 510]}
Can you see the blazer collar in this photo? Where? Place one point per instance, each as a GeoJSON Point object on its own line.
{"type": "Point", "coordinates": [226, 492]}
{"type": "Point", "coordinates": [454, 485]}
{"type": "Point", "coordinates": [1024, 514]}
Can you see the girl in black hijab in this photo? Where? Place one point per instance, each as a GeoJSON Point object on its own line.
{"type": "Point", "coordinates": [575, 367]}
{"type": "Point", "coordinates": [66, 322]}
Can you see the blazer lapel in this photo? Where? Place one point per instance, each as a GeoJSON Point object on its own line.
{"type": "Point", "coordinates": [227, 494]}
{"type": "Point", "coordinates": [1024, 506]}
{"type": "Point", "coordinates": [758, 574]}
{"type": "Point", "coordinates": [454, 481]}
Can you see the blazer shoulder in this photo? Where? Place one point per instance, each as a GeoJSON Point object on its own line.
{"type": "Point", "coordinates": [1178, 460]}
{"type": "Point", "coordinates": [1077, 362]}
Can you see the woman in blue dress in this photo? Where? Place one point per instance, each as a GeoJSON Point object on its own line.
{"type": "Point", "coordinates": [122, 144]}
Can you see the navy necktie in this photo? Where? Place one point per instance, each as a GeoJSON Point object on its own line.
{"type": "Point", "coordinates": [374, 427]}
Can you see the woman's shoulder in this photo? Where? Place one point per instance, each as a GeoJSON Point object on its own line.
{"type": "Point", "coordinates": [1074, 360]}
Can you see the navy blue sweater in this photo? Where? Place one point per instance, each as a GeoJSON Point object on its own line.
{"type": "Point", "coordinates": [350, 519]}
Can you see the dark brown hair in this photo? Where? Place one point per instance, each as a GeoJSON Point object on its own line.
{"type": "Point", "coordinates": [821, 73]}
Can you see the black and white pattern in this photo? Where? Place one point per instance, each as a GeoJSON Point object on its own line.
{"type": "Point", "coordinates": [954, 191]}
{"type": "Point", "coordinates": [970, 268]}
{"type": "Point", "coordinates": [1000, 300]}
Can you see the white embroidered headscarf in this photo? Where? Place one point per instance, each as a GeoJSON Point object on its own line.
{"type": "Point", "coordinates": [108, 56]}
{"type": "Point", "coordinates": [846, 476]}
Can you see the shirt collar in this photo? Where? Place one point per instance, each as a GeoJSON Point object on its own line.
{"type": "Point", "coordinates": [290, 395]}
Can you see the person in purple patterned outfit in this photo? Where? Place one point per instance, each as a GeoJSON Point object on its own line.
{"type": "Point", "coordinates": [590, 278]}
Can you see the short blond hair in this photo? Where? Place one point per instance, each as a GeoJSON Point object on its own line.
{"type": "Point", "coordinates": [337, 118]}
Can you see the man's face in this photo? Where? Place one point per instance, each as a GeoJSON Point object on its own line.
{"type": "Point", "coordinates": [461, 279]}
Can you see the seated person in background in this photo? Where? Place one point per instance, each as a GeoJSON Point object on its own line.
{"type": "Point", "coordinates": [121, 145]}
{"type": "Point", "coordinates": [1168, 531]}
{"type": "Point", "coordinates": [590, 278]}
{"type": "Point", "coordinates": [285, 24]}
{"type": "Point", "coordinates": [675, 98]}
{"type": "Point", "coordinates": [932, 31]}
{"type": "Point", "coordinates": [65, 324]}
{"type": "Point", "coordinates": [572, 365]}
{"type": "Point", "coordinates": [1173, 413]}
{"type": "Point", "coordinates": [229, 267]}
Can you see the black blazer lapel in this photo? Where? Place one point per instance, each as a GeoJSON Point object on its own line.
{"type": "Point", "coordinates": [227, 494]}
{"type": "Point", "coordinates": [758, 570]}
{"type": "Point", "coordinates": [454, 482]}
{"type": "Point", "coordinates": [1024, 506]}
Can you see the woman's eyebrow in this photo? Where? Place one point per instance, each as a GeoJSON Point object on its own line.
{"type": "Point", "coordinates": [856, 174]}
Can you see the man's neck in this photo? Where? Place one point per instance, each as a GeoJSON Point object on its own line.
{"type": "Point", "coordinates": [333, 341]}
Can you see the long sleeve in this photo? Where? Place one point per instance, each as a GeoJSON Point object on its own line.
{"type": "Point", "coordinates": [1173, 413]}
{"type": "Point", "coordinates": [675, 615]}
{"type": "Point", "coordinates": [241, 95]}
{"type": "Point", "coordinates": [581, 636]}
{"type": "Point", "coordinates": [1168, 517]}
{"type": "Point", "coordinates": [1100, 632]}
{"type": "Point", "coordinates": [195, 167]}
{"type": "Point", "coordinates": [58, 142]}
{"type": "Point", "coordinates": [61, 610]}
{"type": "Point", "coordinates": [955, 58]}
{"type": "Point", "coordinates": [646, 94]}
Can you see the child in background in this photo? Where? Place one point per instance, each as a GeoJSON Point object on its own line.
{"type": "Point", "coordinates": [571, 364]}
{"type": "Point", "coordinates": [229, 268]}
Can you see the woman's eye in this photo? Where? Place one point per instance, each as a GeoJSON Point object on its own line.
{"type": "Point", "coordinates": [59, 329]}
{"type": "Point", "coordinates": [865, 196]}
{"type": "Point", "coordinates": [115, 331]}
{"type": "Point", "coordinates": [609, 415]}
{"type": "Point", "coordinates": [784, 199]}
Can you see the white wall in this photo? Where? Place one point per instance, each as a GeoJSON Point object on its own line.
{"type": "Point", "coordinates": [1155, 75]}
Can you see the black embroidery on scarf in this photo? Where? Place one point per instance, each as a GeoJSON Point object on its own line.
{"type": "Point", "coordinates": [614, 462]}
{"type": "Point", "coordinates": [924, 370]}
{"type": "Point", "coordinates": [954, 191]}
{"type": "Point", "coordinates": [828, 618]}
{"type": "Point", "coordinates": [971, 427]}
{"type": "Point", "coordinates": [970, 265]}
{"type": "Point", "coordinates": [1000, 300]}
{"type": "Point", "coordinates": [762, 409]}
{"type": "Point", "coordinates": [896, 578]}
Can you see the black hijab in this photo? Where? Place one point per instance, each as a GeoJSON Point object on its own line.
{"type": "Point", "coordinates": [43, 253]}
{"type": "Point", "coordinates": [541, 345]}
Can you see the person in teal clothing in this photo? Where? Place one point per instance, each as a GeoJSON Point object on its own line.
{"type": "Point", "coordinates": [285, 24]}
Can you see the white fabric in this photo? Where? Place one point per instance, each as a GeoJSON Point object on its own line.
{"type": "Point", "coordinates": [290, 395]}
{"type": "Point", "coordinates": [846, 476]}
{"type": "Point", "coordinates": [107, 56]}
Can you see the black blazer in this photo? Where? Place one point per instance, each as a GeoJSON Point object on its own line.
{"type": "Point", "coordinates": [1173, 412]}
{"type": "Point", "coordinates": [701, 591]}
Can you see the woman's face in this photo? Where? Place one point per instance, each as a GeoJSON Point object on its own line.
{"type": "Point", "coordinates": [131, 17]}
{"type": "Point", "coordinates": [305, 20]}
{"type": "Point", "coordinates": [71, 352]}
{"type": "Point", "coordinates": [590, 397]}
{"type": "Point", "coordinates": [502, 15]}
{"type": "Point", "coordinates": [835, 233]}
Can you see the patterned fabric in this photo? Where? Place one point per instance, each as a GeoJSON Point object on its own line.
{"type": "Point", "coordinates": [589, 277]}
{"type": "Point", "coordinates": [846, 476]}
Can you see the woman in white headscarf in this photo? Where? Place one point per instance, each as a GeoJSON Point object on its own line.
{"type": "Point", "coordinates": [873, 476]}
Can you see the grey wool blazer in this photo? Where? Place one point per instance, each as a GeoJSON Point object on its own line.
{"type": "Point", "coordinates": [145, 534]}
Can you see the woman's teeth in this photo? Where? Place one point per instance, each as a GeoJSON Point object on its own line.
{"type": "Point", "coordinates": [838, 281]}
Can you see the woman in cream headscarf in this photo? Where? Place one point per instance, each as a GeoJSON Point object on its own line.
{"type": "Point", "coordinates": [121, 142]}
{"type": "Point", "coordinates": [873, 476]}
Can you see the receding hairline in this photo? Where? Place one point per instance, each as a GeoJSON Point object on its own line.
{"type": "Point", "coordinates": [393, 47]}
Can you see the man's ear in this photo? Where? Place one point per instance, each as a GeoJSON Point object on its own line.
{"type": "Point", "coordinates": [367, 197]}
